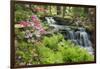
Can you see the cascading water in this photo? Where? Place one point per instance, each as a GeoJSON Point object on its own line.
{"type": "Point", "coordinates": [71, 34]}
{"type": "Point", "coordinates": [85, 41]}
{"type": "Point", "coordinates": [79, 37]}
{"type": "Point", "coordinates": [50, 20]}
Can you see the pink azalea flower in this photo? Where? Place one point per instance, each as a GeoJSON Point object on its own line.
{"type": "Point", "coordinates": [24, 24]}
{"type": "Point", "coordinates": [37, 25]}
{"type": "Point", "coordinates": [34, 17]}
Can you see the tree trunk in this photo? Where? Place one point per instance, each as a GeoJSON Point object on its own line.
{"type": "Point", "coordinates": [50, 10]}
{"type": "Point", "coordinates": [92, 14]}
{"type": "Point", "coordinates": [58, 10]}
{"type": "Point", "coordinates": [64, 11]}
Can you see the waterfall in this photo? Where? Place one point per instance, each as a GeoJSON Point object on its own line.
{"type": "Point", "coordinates": [83, 36]}
{"type": "Point", "coordinates": [84, 41]}
{"type": "Point", "coordinates": [79, 37]}
{"type": "Point", "coordinates": [52, 23]}
{"type": "Point", "coordinates": [50, 20]}
{"type": "Point", "coordinates": [71, 34]}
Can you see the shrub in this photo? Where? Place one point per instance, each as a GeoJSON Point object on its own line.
{"type": "Point", "coordinates": [52, 42]}
{"type": "Point", "coordinates": [76, 54]}
{"type": "Point", "coordinates": [66, 51]}
{"type": "Point", "coordinates": [48, 56]}
{"type": "Point", "coordinates": [26, 52]}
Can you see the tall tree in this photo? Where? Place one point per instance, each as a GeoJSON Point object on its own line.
{"type": "Point", "coordinates": [58, 10]}
{"type": "Point", "coordinates": [50, 10]}
{"type": "Point", "coordinates": [92, 14]}
{"type": "Point", "coordinates": [64, 11]}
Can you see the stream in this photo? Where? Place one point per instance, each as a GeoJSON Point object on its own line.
{"type": "Point", "coordinates": [78, 36]}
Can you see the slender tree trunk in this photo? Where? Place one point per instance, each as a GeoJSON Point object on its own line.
{"type": "Point", "coordinates": [50, 10]}
{"type": "Point", "coordinates": [30, 7]}
{"type": "Point", "coordinates": [58, 10]}
{"type": "Point", "coordinates": [92, 14]}
{"type": "Point", "coordinates": [64, 11]}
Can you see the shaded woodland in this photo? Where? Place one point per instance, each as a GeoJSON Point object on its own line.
{"type": "Point", "coordinates": [51, 34]}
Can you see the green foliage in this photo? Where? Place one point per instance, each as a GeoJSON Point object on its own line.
{"type": "Point", "coordinates": [65, 52]}
{"type": "Point", "coordinates": [48, 56]}
{"type": "Point", "coordinates": [58, 57]}
{"type": "Point", "coordinates": [79, 11]}
{"type": "Point", "coordinates": [22, 13]}
{"type": "Point", "coordinates": [51, 42]}
{"type": "Point", "coordinates": [19, 34]}
{"type": "Point", "coordinates": [90, 27]}
{"type": "Point", "coordinates": [26, 52]}
{"type": "Point", "coordinates": [76, 54]}
{"type": "Point", "coordinates": [52, 49]}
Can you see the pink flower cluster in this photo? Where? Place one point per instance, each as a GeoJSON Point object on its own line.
{"type": "Point", "coordinates": [37, 25]}
{"type": "Point", "coordinates": [24, 24]}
